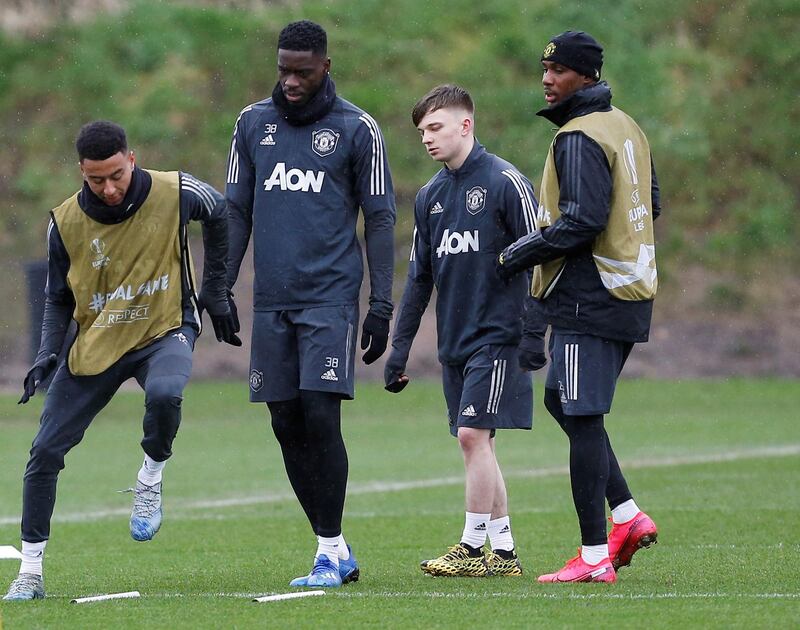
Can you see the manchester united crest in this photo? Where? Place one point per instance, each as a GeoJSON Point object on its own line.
{"type": "Point", "coordinates": [323, 141]}
{"type": "Point", "coordinates": [476, 199]}
{"type": "Point", "coordinates": [256, 380]}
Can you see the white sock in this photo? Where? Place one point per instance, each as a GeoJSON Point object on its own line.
{"type": "Point", "coordinates": [624, 512]}
{"type": "Point", "coordinates": [32, 556]}
{"type": "Point", "coordinates": [592, 554]}
{"type": "Point", "coordinates": [344, 552]}
{"type": "Point", "coordinates": [475, 526]}
{"type": "Point", "coordinates": [328, 547]}
{"type": "Point", "coordinates": [500, 536]}
{"type": "Point", "coordinates": [150, 472]}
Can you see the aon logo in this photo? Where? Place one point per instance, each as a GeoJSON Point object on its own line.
{"type": "Point", "coordinates": [458, 243]}
{"type": "Point", "coordinates": [294, 179]}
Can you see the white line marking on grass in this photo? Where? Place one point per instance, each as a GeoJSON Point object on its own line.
{"type": "Point", "coordinates": [779, 545]}
{"type": "Point", "coordinates": [540, 594]}
{"type": "Point", "coordinates": [380, 487]}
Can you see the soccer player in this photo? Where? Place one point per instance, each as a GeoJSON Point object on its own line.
{"type": "Point", "coordinates": [119, 265]}
{"type": "Point", "coordinates": [476, 205]}
{"type": "Point", "coordinates": [301, 164]}
{"type": "Point", "coordinates": [595, 279]}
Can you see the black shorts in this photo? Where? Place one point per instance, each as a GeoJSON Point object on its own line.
{"type": "Point", "coordinates": [584, 370]}
{"type": "Point", "coordinates": [311, 349]}
{"type": "Point", "coordinates": [489, 391]}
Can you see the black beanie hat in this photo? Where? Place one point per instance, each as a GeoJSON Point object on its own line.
{"type": "Point", "coordinates": [576, 50]}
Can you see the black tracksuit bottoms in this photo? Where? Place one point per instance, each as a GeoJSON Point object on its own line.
{"type": "Point", "coordinates": [162, 369]}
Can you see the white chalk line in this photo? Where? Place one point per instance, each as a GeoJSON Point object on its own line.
{"type": "Point", "coordinates": [381, 487]}
{"type": "Point", "coordinates": [533, 594]}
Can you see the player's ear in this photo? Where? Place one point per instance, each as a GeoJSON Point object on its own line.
{"type": "Point", "coordinates": [467, 125]}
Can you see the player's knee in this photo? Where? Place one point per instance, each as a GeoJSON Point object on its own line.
{"type": "Point", "coordinates": [584, 428]}
{"type": "Point", "coordinates": [163, 396]}
{"type": "Point", "coordinates": [45, 459]}
{"type": "Point", "coordinates": [287, 421]}
{"type": "Point", "coordinates": [287, 432]}
{"type": "Point", "coordinates": [472, 440]}
{"type": "Point", "coordinates": [322, 413]}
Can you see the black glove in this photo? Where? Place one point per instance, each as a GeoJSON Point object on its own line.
{"type": "Point", "coordinates": [375, 336]}
{"type": "Point", "coordinates": [234, 312]}
{"type": "Point", "coordinates": [502, 271]}
{"type": "Point", "coordinates": [394, 375]}
{"type": "Point", "coordinates": [531, 354]}
{"type": "Point", "coordinates": [39, 372]}
{"type": "Point", "coordinates": [224, 318]}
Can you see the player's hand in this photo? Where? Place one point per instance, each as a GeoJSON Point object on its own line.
{"type": "Point", "coordinates": [375, 336]}
{"type": "Point", "coordinates": [502, 271]}
{"type": "Point", "coordinates": [530, 354]}
{"type": "Point", "coordinates": [234, 312]}
{"type": "Point", "coordinates": [397, 384]}
{"type": "Point", "coordinates": [224, 318]}
{"type": "Point", "coordinates": [225, 329]}
{"type": "Point", "coordinates": [394, 375]}
{"type": "Point", "coordinates": [39, 372]}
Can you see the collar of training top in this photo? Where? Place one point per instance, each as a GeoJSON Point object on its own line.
{"type": "Point", "coordinates": [315, 109]}
{"type": "Point", "coordinates": [93, 206]}
{"type": "Point", "coordinates": [594, 98]}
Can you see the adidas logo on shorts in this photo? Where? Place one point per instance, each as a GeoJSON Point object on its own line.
{"type": "Point", "coordinates": [330, 375]}
{"type": "Point", "coordinates": [469, 411]}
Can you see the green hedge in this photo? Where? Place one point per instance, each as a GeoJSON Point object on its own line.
{"type": "Point", "coordinates": [714, 85]}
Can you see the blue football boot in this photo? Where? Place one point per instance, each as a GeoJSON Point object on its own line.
{"type": "Point", "coordinates": [348, 569]}
{"type": "Point", "coordinates": [324, 574]}
{"type": "Point", "coordinates": [26, 586]}
{"type": "Point", "coordinates": [146, 515]}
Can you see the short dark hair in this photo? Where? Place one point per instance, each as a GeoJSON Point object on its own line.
{"type": "Point", "coordinates": [440, 97]}
{"type": "Point", "coordinates": [304, 35]}
{"type": "Point", "coordinates": [100, 139]}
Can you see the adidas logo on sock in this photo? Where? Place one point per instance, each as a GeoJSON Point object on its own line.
{"type": "Point", "coordinates": [330, 375]}
{"type": "Point", "coordinates": [505, 530]}
{"type": "Point", "coordinates": [469, 411]}
{"type": "Point", "coordinates": [480, 527]}
{"type": "Point", "coordinates": [437, 208]}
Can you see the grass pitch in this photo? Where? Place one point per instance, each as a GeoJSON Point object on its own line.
{"type": "Point", "coordinates": [716, 464]}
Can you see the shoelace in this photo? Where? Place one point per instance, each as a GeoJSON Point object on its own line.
{"type": "Point", "coordinates": [146, 499]}
{"type": "Point", "coordinates": [456, 552]}
{"type": "Point", "coordinates": [323, 566]}
{"type": "Point", "coordinates": [24, 583]}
